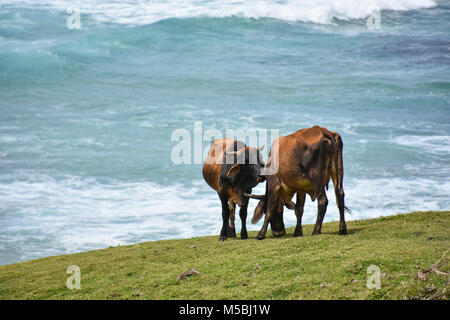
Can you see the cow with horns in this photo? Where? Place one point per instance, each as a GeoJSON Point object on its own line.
{"type": "Point", "coordinates": [232, 169]}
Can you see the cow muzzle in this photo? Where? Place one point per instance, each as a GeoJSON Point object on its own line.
{"type": "Point", "coordinates": [278, 233]}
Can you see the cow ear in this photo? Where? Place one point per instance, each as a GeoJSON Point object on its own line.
{"type": "Point", "coordinates": [234, 170]}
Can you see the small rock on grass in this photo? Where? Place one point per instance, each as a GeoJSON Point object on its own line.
{"type": "Point", "coordinates": [421, 275]}
{"type": "Point", "coordinates": [187, 273]}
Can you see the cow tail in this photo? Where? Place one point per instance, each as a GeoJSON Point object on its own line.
{"type": "Point", "coordinates": [339, 168]}
{"type": "Point", "coordinates": [338, 165]}
{"type": "Point", "coordinates": [261, 207]}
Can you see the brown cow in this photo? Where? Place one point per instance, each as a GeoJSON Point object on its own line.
{"type": "Point", "coordinates": [233, 169]}
{"type": "Point", "coordinates": [306, 159]}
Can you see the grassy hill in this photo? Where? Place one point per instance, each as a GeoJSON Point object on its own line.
{"type": "Point", "coordinates": [410, 250]}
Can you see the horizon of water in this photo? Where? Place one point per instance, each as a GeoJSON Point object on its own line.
{"type": "Point", "coordinates": [87, 114]}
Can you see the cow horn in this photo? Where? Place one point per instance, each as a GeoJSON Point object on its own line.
{"type": "Point", "coordinates": [255, 196]}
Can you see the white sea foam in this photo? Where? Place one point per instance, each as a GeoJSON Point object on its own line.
{"type": "Point", "coordinates": [76, 214]}
{"type": "Point", "coordinates": [42, 216]}
{"type": "Point", "coordinates": [150, 11]}
{"type": "Point", "coordinates": [433, 144]}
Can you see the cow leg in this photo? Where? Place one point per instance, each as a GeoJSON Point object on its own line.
{"type": "Point", "coordinates": [225, 217]}
{"type": "Point", "coordinates": [231, 230]}
{"type": "Point", "coordinates": [321, 209]}
{"type": "Point", "coordinates": [341, 205]}
{"type": "Point", "coordinates": [299, 206]}
{"type": "Point", "coordinates": [262, 233]}
{"type": "Point", "coordinates": [243, 216]}
{"type": "Point", "coordinates": [277, 223]}
{"type": "Point", "coordinates": [271, 209]}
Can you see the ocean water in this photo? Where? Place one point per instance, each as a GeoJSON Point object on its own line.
{"type": "Point", "coordinates": [87, 115]}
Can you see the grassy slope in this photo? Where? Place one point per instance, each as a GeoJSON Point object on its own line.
{"type": "Point", "coordinates": [327, 266]}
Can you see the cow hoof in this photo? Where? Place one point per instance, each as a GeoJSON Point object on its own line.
{"type": "Point", "coordinates": [245, 237]}
{"type": "Point", "coordinates": [231, 233]}
{"type": "Point", "coordinates": [258, 237]}
{"type": "Point", "coordinates": [343, 232]}
{"type": "Point", "coordinates": [315, 233]}
{"type": "Point", "coordinates": [297, 234]}
{"type": "Point", "coordinates": [221, 239]}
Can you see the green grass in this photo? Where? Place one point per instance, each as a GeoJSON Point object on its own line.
{"type": "Point", "coordinates": [328, 266]}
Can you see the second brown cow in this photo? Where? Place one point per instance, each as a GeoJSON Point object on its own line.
{"type": "Point", "coordinates": [307, 159]}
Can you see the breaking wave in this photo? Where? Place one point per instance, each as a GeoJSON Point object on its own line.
{"type": "Point", "coordinates": [140, 12]}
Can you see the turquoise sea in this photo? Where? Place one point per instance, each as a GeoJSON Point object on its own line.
{"type": "Point", "coordinates": [87, 114]}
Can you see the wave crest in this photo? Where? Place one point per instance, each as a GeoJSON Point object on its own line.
{"type": "Point", "coordinates": [141, 12]}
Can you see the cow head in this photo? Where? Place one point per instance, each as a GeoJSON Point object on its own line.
{"type": "Point", "coordinates": [276, 222]}
{"type": "Point", "coordinates": [245, 171]}
{"type": "Point", "coordinates": [276, 219]}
